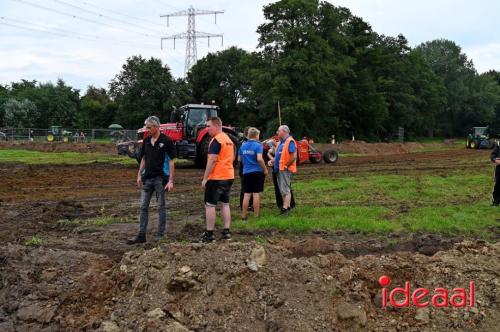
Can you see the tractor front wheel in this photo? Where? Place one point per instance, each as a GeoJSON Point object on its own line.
{"type": "Point", "coordinates": [474, 145]}
{"type": "Point", "coordinates": [330, 156]}
{"type": "Point", "coordinates": [315, 159]}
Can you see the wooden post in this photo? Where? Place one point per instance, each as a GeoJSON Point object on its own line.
{"type": "Point", "coordinates": [279, 113]}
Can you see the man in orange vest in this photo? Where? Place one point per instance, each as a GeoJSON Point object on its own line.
{"type": "Point", "coordinates": [285, 164]}
{"type": "Point", "coordinates": [218, 179]}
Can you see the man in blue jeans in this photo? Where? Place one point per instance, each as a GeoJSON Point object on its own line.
{"type": "Point", "coordinates": [156, 174]}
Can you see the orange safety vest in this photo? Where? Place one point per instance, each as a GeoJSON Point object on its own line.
{"type": "Point", "coordinates": [223, 168]}
{"type": "Point", "coordinates": [286, 156]}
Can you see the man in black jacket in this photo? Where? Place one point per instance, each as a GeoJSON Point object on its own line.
{"type": "Point", "coordinates": [495, 158]}
{"type": "Point", "coordinates": [156, 174]}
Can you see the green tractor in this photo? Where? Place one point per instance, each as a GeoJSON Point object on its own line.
{"type": "Point", "coordinates": [58, 134]}
{"type": "Point", "coordinates": [482, 138]}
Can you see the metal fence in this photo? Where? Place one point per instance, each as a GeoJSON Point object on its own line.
{"type": "Point", "coordinates": [70, 135]}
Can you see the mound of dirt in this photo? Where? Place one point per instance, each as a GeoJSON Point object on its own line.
{"type": "Point", "coordinates": [60, 147]}
{"type": "Point", "coordinates": [240, 287]}
{"type": "Point", "coordinates": [371, 148]}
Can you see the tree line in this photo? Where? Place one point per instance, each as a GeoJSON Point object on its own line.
{"type": "Point", "coordinates": [327, 68]}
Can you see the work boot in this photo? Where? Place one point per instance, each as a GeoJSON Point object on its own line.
{"type": "Point", "coordinates": [226, 235]}
{"type": "Point", "coordinates": [159, 237]}
{"type": "Point", "coordinates": [207, 237]}
{"type": "Point", "coordinates": [140, 238]}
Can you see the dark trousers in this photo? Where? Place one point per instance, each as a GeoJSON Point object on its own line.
{"type": "Point", "coordinates": [496, 189]}
{"type": "Point", "coordinates": [277, 192]}
{"type": "Point", "coordinates": [149, 186]}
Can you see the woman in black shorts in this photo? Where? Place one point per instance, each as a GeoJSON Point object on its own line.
{"type": "Point", "coordinates": [254, 172]}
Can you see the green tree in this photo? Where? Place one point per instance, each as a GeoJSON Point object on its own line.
{"type": "Point", "coordinates": [19, 114]}
{"type": "Point", "coordinates": [225, 79]}
{"type": "Point", "coordinates": [469, 100]}
{"type": "Point", "coordinates": [142, 88]}
{"type": "Point", "coordinates": [57, 104]}
{"type": "Point", "coordinates": [97, 110]}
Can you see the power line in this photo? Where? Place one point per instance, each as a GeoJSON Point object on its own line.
{"type": "Point", "coordinates": [81, 18]}
{"type": "Point", "coordinates": [137, 18]}
{"type": "Point", "coordinates": [64, 33]}
{"type": "Point", "coordinates": [103, 16]}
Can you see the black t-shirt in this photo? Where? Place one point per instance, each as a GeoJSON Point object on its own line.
{"type": "Point", "coordinates": [156, 155]}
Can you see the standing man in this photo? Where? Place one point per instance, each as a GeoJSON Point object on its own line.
{"type": "Point", "coordinates": [285, 164]}
{"type": "Point", "coordinates": [218, 179]}
{"type": "Point", "coordinates": [495, 158]}
{"type": "Point", "coordinates": [156, 174]}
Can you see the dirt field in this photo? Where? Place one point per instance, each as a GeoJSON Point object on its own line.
{"type": "Point", "coordinates": [84, 277]}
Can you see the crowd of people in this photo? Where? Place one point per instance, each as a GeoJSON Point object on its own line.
{"type": "Point", "coordinates": [156, 175]}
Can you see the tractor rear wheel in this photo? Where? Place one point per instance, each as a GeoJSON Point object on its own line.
{"type": "Point", "coordinates": [202, 150]}
{"type": "Point", "coordinates": [330, 156]}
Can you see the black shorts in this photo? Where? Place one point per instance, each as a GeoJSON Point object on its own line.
{"type": "Point", "coordinates": [217, 191]}
{"type": "Point", "coordinates": [253, 182]}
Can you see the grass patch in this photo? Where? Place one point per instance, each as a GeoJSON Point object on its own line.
{"type": "Point", "coordinates": [477, 219]}
{"type": "Point", "coordinates": [72, 158]}
{"type": "Point", "coordinates": [35, 240]}
{"type": "Point", "coordinates": [308, 218]}
{"type": "Point", "coordinates": [68, 158]}
{"type": "Point", "coordinates": [453, 203]}
{"type": "Point", "coordinates": [100, 221]}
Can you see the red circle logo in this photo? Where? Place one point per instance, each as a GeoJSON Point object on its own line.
{"type": "Point", "coordinates": [384, 281]}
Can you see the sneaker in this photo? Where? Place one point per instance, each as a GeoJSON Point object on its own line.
{"type": "Point", "coordinates": [226, 235]}
{"type": "Point", "coordinates": [495, 203]}
{"type": "Point", "coordinates": [141, 238]}
{"type": "Point", "coordinates": [285, 212]}
{"type": "Point", "coordinates": [207, 238]}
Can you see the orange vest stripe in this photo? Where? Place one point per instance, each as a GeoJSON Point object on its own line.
{"type": "Point", "coordinates": [223, 168]}
{"type": "Point", "coordinates": [286, 156]}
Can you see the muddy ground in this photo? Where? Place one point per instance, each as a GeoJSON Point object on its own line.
{"type": "Point", "coordinates": [84, 277]}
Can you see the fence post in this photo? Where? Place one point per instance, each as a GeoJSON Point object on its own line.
{"type": "Point", "coordinates": [93, 135]}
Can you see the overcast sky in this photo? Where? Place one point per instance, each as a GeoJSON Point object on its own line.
{"type": "Point", "coordinates": [60, 45]}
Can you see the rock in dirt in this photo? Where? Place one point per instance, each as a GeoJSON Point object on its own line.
{"type": "Point", "coordinates": [177, 327]}
{"type": "Point", "coordinates": [257, 259]}
{"type": "Point", "coordinates": [347, 311]}
{"type": "Point", "coordinates": [312, 246]}
{"type": "Point", "coordinates": [156, 313]}
{"type": "Point", "coordinates": [422, 315]}
{"type": "Point", "coordinates": [36, 312]}
{"type": "Point", "coordinates": [109, 326]}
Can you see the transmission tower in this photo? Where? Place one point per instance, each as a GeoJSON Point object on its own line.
{"type": "Point", "coordinates": [191, 34]}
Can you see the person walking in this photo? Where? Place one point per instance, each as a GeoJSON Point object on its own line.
{"type": "Point", "coordinates": [284, 165]}
{"type": "Point", "coordinates": [218, 179]}
{"type": "Point", "coordinates": [156, 174]}
{"type": "Point", "coordinates": [254, 172]}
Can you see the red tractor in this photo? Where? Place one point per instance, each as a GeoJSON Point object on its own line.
{"type": "Point", "coordinates": [187, 128]}
{"type": "Point", "coordinates": [305, 152]}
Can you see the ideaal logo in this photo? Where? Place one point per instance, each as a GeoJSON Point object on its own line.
{"type": "Point", "coordinates": [422, 297]}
